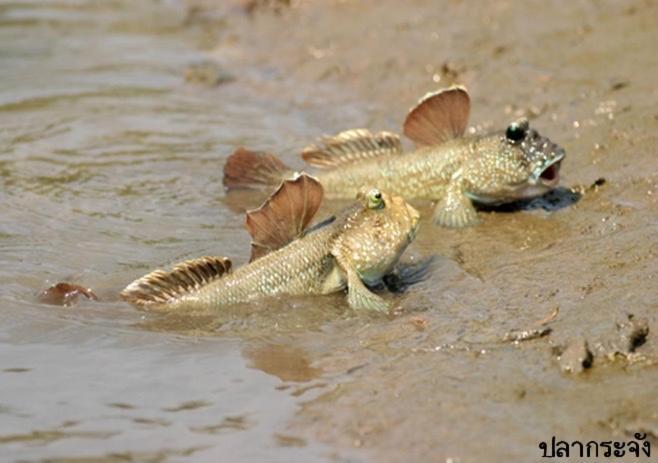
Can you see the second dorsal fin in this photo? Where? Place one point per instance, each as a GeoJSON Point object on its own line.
{"type": "Point", "coordinates": [285, 215]}
{"type": "Point", "coordinates": [438, 116]}
{"type": "Point", "coordinates": [349, 146]}
{"type": "Point", "coordinates": [161, 287]}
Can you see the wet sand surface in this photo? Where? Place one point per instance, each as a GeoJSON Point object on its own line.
{"type": "Point", "coordinates": [115, 120]}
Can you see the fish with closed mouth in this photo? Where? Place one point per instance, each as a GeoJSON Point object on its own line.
{"type": "Point", "coordinates": [359, 245]}
{"type": "Point", "coordinates": [447, 166]}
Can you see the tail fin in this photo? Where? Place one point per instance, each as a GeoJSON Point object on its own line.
{"type": "Point", "coordinates": [253, 169]}
{"type": "Point", "coordinates": [161, 287]}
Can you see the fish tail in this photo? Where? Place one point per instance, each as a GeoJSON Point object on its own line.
{"type": "Point", "coordinates": [162, 287]}
{"type": "Point", "coordinates": [253, 169]}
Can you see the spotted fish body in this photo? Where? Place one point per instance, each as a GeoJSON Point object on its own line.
{"type": "Point", "coordinates": [421, 174]}
{"type": "Point", "coordinates": [304, 267]}
{"type": "Point", "coordinates": [363, 243]}
{"type": "Point", "coordinates": [447, 166]}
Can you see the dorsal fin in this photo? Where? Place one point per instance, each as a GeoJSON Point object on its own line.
{"type": "Point", "coordinates": [161, 287]}
{"type": "Point", "coordinates": [285, 215]}
{"type": "Point", "coordinates": [438, 116]}
{"type": "Point", "coordinates": [252, 169]}
{"type": "Point", "coordinates": [351, 145]}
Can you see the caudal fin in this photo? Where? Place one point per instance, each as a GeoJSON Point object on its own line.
{"type": "Point", "coordinates": [162, 287]}
{"type": "Point", "coordinates": [253, 169]}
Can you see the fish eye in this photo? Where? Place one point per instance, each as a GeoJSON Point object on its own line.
{"type": "Point", "coordinates": [375, 200]}
{"type": "Point", "coordinates": [517, 130]}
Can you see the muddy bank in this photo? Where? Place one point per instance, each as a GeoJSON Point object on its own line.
{"type": "Point", "coordinates": [438, 382]}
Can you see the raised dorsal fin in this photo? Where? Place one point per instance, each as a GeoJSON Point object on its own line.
{"type": "Point", "coordinates": [161, 287]}
{"type": "Point", "coordinates": [351, 145]}
{"type": "Point", "coordinates": [438, 116]}
{"type": "Point", "coordinates": [252, 169]}
{"type": "Point", "coordinates": [285, 215]}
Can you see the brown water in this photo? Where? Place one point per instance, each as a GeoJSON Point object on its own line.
{"type": "Point", "coordinates": [110, 165]}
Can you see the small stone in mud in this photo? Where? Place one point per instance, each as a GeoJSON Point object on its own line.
{"type": "Point", "coordinates": [207, 73]}
{"type": "Point", "coordinates": [576, 358]}
{"type": "Point", "coordinates": [419, 323]}
{"type": "Point", "coordinates": [65, 294]}
{"type": "Point", "coordinates": [632, 333]}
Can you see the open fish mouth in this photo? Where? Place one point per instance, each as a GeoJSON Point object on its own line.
{"type": "Point", "coordinates": [550, 176]}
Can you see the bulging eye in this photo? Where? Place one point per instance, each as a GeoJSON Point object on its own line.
{"type": "Point", "coordinates": [375, 200]}
{"type": "Point", "coordinates": [517, 130]}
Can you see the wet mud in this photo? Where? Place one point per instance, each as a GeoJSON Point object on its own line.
{"type": "Point", "coordinates": [115, 120]}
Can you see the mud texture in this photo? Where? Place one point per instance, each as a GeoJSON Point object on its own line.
{"type": "Point", "coordinates": [115, 119]}
{"type": "Point", "coordinates": [445, 389]}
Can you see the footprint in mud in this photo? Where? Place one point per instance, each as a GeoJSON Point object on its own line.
{"type": "Point", "coordinates": [618, 345]}
{"type": "Point", "coordinates": [228, 424]}
{"type": "Point", "coordinates": [189, 405]}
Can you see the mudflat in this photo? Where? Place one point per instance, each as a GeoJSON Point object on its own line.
{"type": "Point", "coordinates": [116, 119]}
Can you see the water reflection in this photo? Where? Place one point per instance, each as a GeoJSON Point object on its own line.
{"type": "Point", "coordinates": [286, 362]}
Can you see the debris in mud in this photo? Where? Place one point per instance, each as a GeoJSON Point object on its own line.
{"type": "Point", "coordinates": [517, 336]}
{"type": "Point", "coordinates": [576, 357]}
{"type": "Point", "coordinates": [619, 85]}
{"type": "Point", "coordinates": [65, 294]}
{"type": "Point", "coordinates": [550, 317]}
{"type": "Point", "coordinates": [594, 187]}
{"type": "Point", "coordinates": [284, 440]}
{"type": "Point", "coordinates": [451, 71]}
{"type": "Point", "coordinates": [277, 6]}
{"type": "Point", "coordinates": [633, 333]}
{"type": "Point", "coordinates": [628, 336]}
{"type": "Point", "coordinates": [207, 73]}
{"type": "Point", "coordinates": [420, 323]}
{"type": "Point", "coordinates": [619, 345]}
{"type": "Point", "coordinates": [529, 112]}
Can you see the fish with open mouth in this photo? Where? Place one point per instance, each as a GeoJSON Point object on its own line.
{"type": "Point", "coordinates": [447, 166]}
{"type": "Point", "coordinates": [356, 247]}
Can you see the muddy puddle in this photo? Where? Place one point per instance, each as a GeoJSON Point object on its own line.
{"type": "Point", "coordinates": [115, 119]}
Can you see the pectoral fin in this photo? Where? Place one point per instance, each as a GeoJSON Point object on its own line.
{"type": "Point", "coordinates": [358, 296]}
{"type": "Point", "coordinates": [361, 298]}
{"type": "Point", "coordinates": [455, 209]}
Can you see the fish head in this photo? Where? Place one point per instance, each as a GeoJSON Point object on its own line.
{"type": "Point", "coordinates": [376, 232]}
{"type": "Point", "coordinates": [522, 164]}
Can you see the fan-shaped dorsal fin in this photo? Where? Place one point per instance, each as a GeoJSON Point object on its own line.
{"type": "Point", "coordinates": [161, 287]}
{"type": "Point", "coordinates": [350, 146]}
{"type": "Point", "coordinates": [438, 116]}
{"type": "Point", "coordinates": [284, 216]}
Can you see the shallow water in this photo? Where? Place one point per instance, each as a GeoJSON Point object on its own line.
{"type": "Point", "coordinates": [110, 166]}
